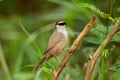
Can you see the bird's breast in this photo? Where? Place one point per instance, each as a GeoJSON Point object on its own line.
{"type": "Point", "coordinates": [63, 31]}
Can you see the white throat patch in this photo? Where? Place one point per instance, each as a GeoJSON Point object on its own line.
{"type": "Point", "coordinates": [62, 30]}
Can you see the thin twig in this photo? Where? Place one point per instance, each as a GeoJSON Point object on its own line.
{"type": "Point", "coordinates": [72, 48]}
{"type": "Point", "coordinates": [92, 60]}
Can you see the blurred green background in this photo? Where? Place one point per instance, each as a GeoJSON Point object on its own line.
{"type": "Point", "coordinates": [26, 25]}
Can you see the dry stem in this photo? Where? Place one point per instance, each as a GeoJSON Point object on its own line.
{"type": "Point", "coordinates": [72, 48]}
{"type": "Point", "coordinates": [92, 60]}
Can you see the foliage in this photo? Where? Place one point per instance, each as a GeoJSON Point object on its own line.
{"type": "Point", "coordinates": [25, 27]}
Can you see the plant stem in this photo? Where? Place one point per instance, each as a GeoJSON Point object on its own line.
{"type": "Point", "coordinates": [4, 64]}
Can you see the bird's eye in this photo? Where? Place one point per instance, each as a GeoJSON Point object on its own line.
{"type": "Point", "coordinates": [61, 24]}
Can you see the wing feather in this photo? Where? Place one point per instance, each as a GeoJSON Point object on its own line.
{"type": "Point", "coordinates": [53, 41]}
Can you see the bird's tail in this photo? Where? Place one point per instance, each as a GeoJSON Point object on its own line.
{"type": "Point", "coordinates": [39, 64]}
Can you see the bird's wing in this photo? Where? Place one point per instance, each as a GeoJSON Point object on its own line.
{"type": "Point", "coordinates": [53, 41]}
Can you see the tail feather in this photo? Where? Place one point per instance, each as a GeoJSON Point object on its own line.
{"type": "Point", "coordinates": [39, 64]}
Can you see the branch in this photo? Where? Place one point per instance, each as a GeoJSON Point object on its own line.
{"type": "Point", "coordinates": [72, 48]}
{"type": "Point", "coordinates": [92, 60]}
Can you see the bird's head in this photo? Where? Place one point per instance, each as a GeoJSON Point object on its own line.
{"type": "Point", "coordinates": [60, 24]}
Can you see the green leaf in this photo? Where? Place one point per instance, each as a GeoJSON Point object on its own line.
{"type": "Point", "coordinates": [96, 10]}
{"type": "Point", "coordinates": [93, 40]}
{"type": "Point", "coordinates": [43, 74]}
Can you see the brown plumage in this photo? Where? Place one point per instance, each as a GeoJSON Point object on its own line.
{"type": "Point", "coordinates": [55, 45]}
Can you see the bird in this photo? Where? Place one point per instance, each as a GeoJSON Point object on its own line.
{"type": "Point", "coordinates": [56, 43]}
